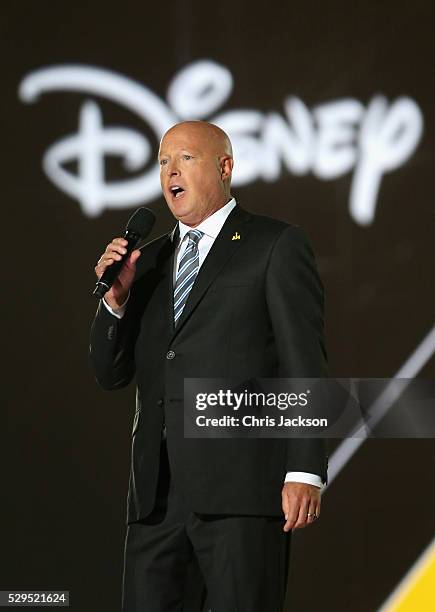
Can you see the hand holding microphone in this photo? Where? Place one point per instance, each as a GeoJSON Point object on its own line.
{"type": "Point", "coordinates": [116, 268]}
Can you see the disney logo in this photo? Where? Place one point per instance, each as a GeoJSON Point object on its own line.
{"type": "Point", "coordinates": [329, 140]}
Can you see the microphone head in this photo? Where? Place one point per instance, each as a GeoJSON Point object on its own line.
{"type": "Point", "coordinates": [141, 222]}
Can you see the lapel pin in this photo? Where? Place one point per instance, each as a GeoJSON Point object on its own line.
{"type": "Point", "coordinates": [236, 236]}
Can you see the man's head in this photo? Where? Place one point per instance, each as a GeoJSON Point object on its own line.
{"type": "Point", "coordinates": [196, 157]}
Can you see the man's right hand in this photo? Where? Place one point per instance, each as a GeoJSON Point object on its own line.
{"type": "Point", "coordinates": [121, 287]}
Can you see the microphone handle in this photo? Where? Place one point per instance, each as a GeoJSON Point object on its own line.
{"type": "Point", "coordinates": [111, 273]}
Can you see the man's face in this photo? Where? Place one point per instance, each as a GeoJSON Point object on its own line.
{"type": "Point", "coordinates": [192, 172]}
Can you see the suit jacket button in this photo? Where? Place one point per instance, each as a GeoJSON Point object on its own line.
{"type": "Point", "coordinates": [111, 332]}
{"type": "Point", "coordinates": [160, 402]}
{"type": "Point", "coordinates": [170, 355]}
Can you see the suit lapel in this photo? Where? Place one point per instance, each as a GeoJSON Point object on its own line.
{"type": "Point", "coordinates": [222, 250]}
{"type": "Point", "coordinates": [174, 237]}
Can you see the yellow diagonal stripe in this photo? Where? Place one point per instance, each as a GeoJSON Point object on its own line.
{"type": "Point", "coordinates": [416, 592]}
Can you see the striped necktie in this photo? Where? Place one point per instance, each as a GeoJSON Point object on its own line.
{"type": "Point", "coordinates": [187, 272]}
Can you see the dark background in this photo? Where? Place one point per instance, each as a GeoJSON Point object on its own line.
{"type": "Point", "coordinates": [66, 452]}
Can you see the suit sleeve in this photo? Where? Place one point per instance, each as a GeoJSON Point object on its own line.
{"type": "Point", "coordinates": [111, 349]}
{"type": "Point", "coordinates": [295, 302]}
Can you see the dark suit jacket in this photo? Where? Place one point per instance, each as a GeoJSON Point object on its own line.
{"type": "Point", "coordinates": [255, 310]}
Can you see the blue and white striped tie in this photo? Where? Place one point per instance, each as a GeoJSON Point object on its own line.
{"type": "Point", "coordinates": [187, 272]}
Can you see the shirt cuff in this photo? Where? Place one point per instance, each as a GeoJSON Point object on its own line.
{"type": "Point", "coordinates": [117, 312]}
{"type": "Point", "coordinates": [305, 477]}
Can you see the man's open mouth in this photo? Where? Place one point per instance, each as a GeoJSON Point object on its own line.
{"type": "Point", "coordinates": [176, 191]}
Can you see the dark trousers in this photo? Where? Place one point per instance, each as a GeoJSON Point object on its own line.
{"type": "Point", "coordinates": [175, 558]}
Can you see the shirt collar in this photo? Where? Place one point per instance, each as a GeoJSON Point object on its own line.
{"type": "Point", "coordinates": [210, 226]}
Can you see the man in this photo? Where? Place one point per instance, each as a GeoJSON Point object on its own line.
{"type": "Point", "coordinates": [226, 294]}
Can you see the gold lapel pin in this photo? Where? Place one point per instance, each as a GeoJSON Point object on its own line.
{"type": "Point", "coordinates": [236, 236]}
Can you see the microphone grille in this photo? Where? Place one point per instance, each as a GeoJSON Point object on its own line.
{"type": "Point", "coordinates": [141, 221]}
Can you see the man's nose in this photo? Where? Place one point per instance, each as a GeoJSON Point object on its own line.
{"type": "Point", "coordinates": [172, 170]}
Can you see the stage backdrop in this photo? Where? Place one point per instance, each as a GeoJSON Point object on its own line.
{"type": "Point", "coordinates": [331, 110]}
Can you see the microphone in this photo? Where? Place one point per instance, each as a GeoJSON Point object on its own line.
{"type": "Point", "coordinates": [138, 227]}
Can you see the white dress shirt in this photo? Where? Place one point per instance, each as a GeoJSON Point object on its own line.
{"type": "Point", "coordinates": [211, 228]}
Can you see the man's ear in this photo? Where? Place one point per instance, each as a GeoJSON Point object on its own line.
{"type": "Point", "coordinates": [227, 164]}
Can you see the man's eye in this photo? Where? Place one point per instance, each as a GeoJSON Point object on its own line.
{"type": "Point", "coordinates": [163, 162]}
{"type": "Point", "coordinates": [187, 157]}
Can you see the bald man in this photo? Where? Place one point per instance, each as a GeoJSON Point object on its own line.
{"type": "Point", "coordinates": [199, 303]}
